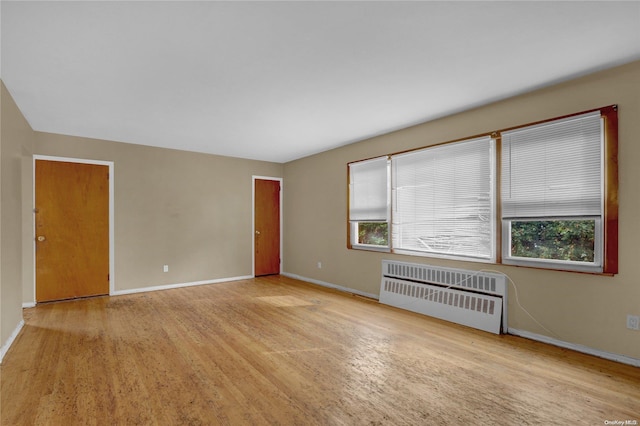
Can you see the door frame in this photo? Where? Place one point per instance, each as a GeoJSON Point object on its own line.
{"type": "Point", "coordinates": [253, 220]}
{"type": "Point", "coordinates": [110, 165]}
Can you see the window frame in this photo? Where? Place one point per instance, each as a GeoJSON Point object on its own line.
{"type": "Point", "coordinates": [607, 225]}
{"type": "Point", "coordinates": [609, 216]}
{"type": "Point", "coordinates": [352, 225]}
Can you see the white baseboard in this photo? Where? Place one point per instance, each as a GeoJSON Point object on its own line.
{"type": "Point", "coordinates": [179, 285]}
{"type": "Point", "coordinates": [161, 287]}
{"type": "Point", "coordinates": [330, 285]}
{"type": "Point", "coordinates": [10, 340]}
{"type": "Point", "coordinates": [579, 348]}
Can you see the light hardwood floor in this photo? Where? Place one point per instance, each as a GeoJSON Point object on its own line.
{"type": "Point", "coordinates": [274, 350]}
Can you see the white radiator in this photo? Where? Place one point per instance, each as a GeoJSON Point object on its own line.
{"type": "Point", "coordinates": [474, 299]}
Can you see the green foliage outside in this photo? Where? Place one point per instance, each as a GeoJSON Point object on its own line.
{"type": "Point", "coordinates": [571, 240]}
{"type": "Point", "coordinates": [554, 239]}
{"type": "Point", "coordinates": [374, 233]}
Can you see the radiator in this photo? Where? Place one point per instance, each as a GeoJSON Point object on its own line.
{"type": "Point", "coordinates": [471, 298]}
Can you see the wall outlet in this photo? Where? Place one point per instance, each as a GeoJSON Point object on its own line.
{"type": "Point", "coordinates": [633, 322]}
{"type": "Point", "coordinates": [319, 265]}
{"type": "Point", "coordinates": [165, 268]}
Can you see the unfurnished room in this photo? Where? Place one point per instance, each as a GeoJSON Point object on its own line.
{"type": "Point", "coordinates": [319, 212]}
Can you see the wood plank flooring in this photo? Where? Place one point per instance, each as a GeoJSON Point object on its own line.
{"type": "Point", "coordinates": [276, 351]}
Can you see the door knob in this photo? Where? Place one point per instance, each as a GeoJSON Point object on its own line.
{"type": "Point", "coordinates": [41, 238]}
{"type": "Point", "coordinates": [257, 232]}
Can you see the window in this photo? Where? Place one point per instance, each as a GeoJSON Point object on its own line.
{"type": "Point", "coordinates": [552, 193]}
{"type": "Point", "coordinates": [369, 203]}
{"type": "Point", "coordinates": [539, 195]}
{"type": "Point", "coordinates": [443, 201]}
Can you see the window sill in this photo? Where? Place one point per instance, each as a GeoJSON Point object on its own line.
{"type": "Point", "coordinates": [519, 263]}
{"type": "Point", "coordinates": [554, 266]}
{"type": "Point", "coordinates": [366, 247]}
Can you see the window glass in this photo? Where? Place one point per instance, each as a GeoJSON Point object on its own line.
{"type": "Point", "coordinates": [373, 233]}
{"type": "Point", "coordinates": [369, 202]}
{"type": "Point", "coordinates": [568, 240]}
{"type": "Point", "coordinates": [442, 199]}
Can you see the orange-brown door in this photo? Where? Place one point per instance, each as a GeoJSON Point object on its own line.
{"type": "Point", "coordinates": [72, 230]}
{"type": "Point", "coordinates": [267, 227]}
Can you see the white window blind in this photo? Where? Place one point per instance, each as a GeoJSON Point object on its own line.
{"type": "Point", "coordinates": [368, 190]}
{"type": "Point", "coordinates": [553, 169]}
{"type": "Point", "coordinates": [443, 201]}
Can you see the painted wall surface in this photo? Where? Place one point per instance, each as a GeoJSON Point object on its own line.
{"type": "Point", "coordinates": [581, 309]}
{"type": "Point", "coordinates": [190, 211]}
{"type": "Point", "coordinates": [16, 144]}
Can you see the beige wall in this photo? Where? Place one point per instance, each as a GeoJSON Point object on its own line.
{"type": "Point", "coordinates": [193, 212]}
{"type": "Point", "coordinates": [187, 210]}
{"type": "Point", "coordinates": [16, 145]}
{"type": "Point", "coordinates": [580, 309]}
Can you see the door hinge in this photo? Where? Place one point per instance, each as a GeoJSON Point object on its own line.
{"type": "Point", "coordinates": [108, 277]}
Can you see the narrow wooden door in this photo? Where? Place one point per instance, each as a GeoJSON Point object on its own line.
{"type": "Point", "coordinates": [267, 227]}
{"type": "Point", "coordinates": [72, 230]}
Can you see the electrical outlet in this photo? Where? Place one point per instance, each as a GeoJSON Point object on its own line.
{"type": "Point", "coordinates": [319, 265]}
{"type": "Point", "coordinates": [165, 268]}
{"type": "Point", "coordinates": [633, 322]}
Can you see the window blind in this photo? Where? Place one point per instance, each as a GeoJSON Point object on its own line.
{"type": "Point", "coordinates": [443, 199]}
{"type": "Point", "coordinates": [368, 190]}
{"type": "Point", "coordinates": [553, 169]}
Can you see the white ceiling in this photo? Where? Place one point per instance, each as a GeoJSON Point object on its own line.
{"type": "Point", "coordinates": [278, 81]}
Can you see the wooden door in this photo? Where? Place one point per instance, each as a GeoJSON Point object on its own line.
{"type": "Point", "coordinates": [72, 230]}
{"type": "Point", "coordinates": [267, 227]}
